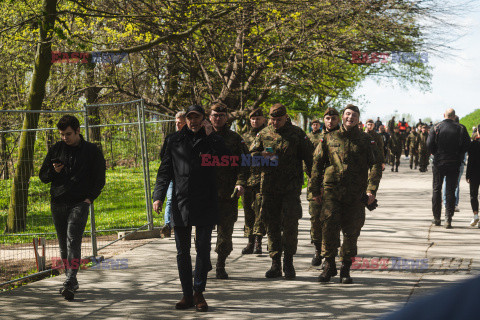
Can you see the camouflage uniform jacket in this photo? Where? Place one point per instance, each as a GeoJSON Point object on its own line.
{"type": "Point", "coordinates": [291, 146]}
{"type": "Point", "coordinates": [315, 137]}
{"type": "Point", "coordinates": [379, 142]}
{"type": "Point", "coordinates": [395, 143]}
{"type": "Point", "coordinates": [255, 172]}
{"type": "Point", "coordinates": [316, 152]}
{"type": "Point", "coordinates": [422, 142]}
{"type": "Point", "coordinates": [231, 175]}
{"type": "Point", "coordinates": [343, 163]}
{"type": "Point", "coordinates": [411, 139]}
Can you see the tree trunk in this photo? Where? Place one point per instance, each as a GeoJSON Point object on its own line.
{"type": "Point", "coordinates": [91, 96]}
{"type": "Point", "coordinates": [4, 173]}
{"type": "Point", "coordinates": [17, 211]}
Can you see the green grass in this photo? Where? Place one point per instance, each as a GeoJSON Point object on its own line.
{"type": "Point", "coordinates": [471, 120]}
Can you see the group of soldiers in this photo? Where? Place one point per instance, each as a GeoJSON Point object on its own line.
{"type": "Point", "coordinates": [344, 166]}
{"type": "Point", "coordinates": [395, 139]}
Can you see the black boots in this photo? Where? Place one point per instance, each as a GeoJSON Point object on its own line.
{"type": "Point", "coordinates": [220, 272]}
{"type": "Point", "coordinates": [317, 257]}
{"type": "Point", "coordinates": [345, 272]}
{"type": "Point", "coordinates": [396, 168]}
{"type": "Point", "coordinates": [288, 268]}
{"type": "Point", "coordinates": [329, 270]}
{"type": "Point", "coordinates": [258, 245]}
{"type": "Point", "coordinates": [249, 248]}
{"type": "Point", "coordinates": [276, 269]}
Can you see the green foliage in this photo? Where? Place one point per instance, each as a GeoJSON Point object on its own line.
{"type": "Point", "coordinates": [471, 120]}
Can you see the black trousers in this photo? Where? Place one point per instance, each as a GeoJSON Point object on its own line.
{"type": "Point", "coordinates": [450, 173]}
{"type": "Point", "coordinates": [183, 240]}
{"type": "Point", "coordinates": [70, 221]}
{"type": "Point", "coordinates": [474, 185]}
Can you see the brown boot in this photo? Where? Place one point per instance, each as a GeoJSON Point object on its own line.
{"type": "Point", "coordinates": [199, 301]}
{"type": "Point", "coordinates": [329, 270]}
{"type": "Point", "coordinates": [258, 245]}
{"type": "Point", "coordinates": [249, 248]}
{"type": "Point", "coordinates": [345, 272]}
{"type": "Point", "coordinates": [276, 269]}
{"type": "Point", "coordinates": [185, 303]}
{"type": "Point", "coordinates": [317, 257]}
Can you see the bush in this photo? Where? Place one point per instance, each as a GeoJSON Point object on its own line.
{"type": "Point", "coordinates": [471, 120]}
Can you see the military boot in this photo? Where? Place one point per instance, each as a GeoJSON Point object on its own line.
{"type": "Point", "coordinates": [345, 272]}
{"type": "Point", "coordinates": [276, 269]}
{"type": "Point", "coordinates": [393, 169]}
{"type": "Point", "coordinates": [396, 168]}
{"type": "Point", "coordinates": [288, 268]}
{"type": "Point", "coordinates": [249, 248]}
{"type": "Point", "coordinates": [220, 272]}
{"type": "Point", "coordinates": [411, 166]}
{"type": "Point", "coordinates": [317, 257]}
{"type": "Point", "coordinates": [258, 245]}
{"type": "Point", "coordinates": [329, 270]}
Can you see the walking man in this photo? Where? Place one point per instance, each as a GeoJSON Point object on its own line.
{"type": "Point", "coordinates": [448, 141]}
{"type": "Point", "coordinates": [194, 200]}
{"type": "Point", "coordinates": [76, 170]}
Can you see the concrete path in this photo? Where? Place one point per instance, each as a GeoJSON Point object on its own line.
{"type": "Point", "coordinates": [400, 227]}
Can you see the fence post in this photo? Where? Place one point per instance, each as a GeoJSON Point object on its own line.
{"type": "Point", "coordinates": [146, 175]}
{"type": "Point", "coordinates": [93, 231]}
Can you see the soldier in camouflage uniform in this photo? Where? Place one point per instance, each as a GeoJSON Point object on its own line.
{"type": "Point", "coordinates": [423, 152]}
{"type": "Point", "coordinates": [281, 186]}
{"type": "Point", "coordinates": [228, 178]}
{"type": "Point", "coordinates": [395, 148]}
{"type": "Point", "coordinates": [331, 119]}
{"type": "Point", "coordinates": [370, 125]}
{"type": "Point", "coordinates": [411, 143]}
{"type": "Point", "coordinates": [314, 136]}
{"type": "Point", "coordinates": [254, 229]}
{"type": "Point", "coordinates": [340, 180]}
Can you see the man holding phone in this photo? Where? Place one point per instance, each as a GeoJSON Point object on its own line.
{"type": "Point", "coordinates": [76, 170]}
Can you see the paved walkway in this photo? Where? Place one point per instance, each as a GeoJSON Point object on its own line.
{"type": "Point", "coordinates": [400, 227]}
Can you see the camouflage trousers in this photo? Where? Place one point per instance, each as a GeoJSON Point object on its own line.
{"type": "Point", "coordinates": [251, 206]}
{"type": "Point", "coordinates": [316, 226]}
{"type": "Point", "coordinates": [423, 160]}
{"type": "Point", "coordinates": [340, 212]}
{"type": "Point", "coordinates": [413, 157]}
{"type": "Point", "coordinates": [280, 213]}
{"type": "Point", "coordinates": [227, 216]}
{"type": "Point", "coordinates": [395, 158]}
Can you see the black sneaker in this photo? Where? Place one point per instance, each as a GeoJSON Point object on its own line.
{"type": "Point", "coordinates": [437, 222]}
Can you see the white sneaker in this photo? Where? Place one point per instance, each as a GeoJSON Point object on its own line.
{"type": "Point", "coordinates": [457, 209]}
{"type": "Point", "coordinates": [474, 222]}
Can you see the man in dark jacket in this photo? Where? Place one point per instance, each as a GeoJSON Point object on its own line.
{"type": "Point", "coordinates": [448, 141]}
{"type": "Point", "coordinates": [76, 170]}
{"type": "Point", "coordinates": [473, 175]}
{"type": "Point", "coordinates": [194, 199]}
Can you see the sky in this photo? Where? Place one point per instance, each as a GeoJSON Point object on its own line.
{"type": "Point", "coordinates": [455, 83]}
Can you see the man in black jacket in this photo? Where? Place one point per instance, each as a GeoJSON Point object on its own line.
{"type": "Point", "coordinates": [76, 170]}
{"type": "Point", "coordinates": [194, 199]}
{"type": "Point", "coordinates": [448, 141]}
{"type": "Point", "coordinates": [473, 175]}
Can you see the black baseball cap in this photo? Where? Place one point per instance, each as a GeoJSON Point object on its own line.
{"type": "Point", "coordinates": [195, 108]}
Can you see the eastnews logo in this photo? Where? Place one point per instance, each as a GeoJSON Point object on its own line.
{"type": "Point", "coordinates": [246, 160]}
{"type": "Point", "coordinates": [387, 57]}
{"type": "Point", "coordinates": [110, 264]}
{"type": "Point", "coordinates": [87, 57]}
{"type": "Point", "coordinates": [394, 263]}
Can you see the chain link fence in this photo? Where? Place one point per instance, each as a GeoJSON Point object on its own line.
{"type": "Point", "coordinates": [130, 137]}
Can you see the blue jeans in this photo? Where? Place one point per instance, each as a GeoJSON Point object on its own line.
{"type": "Point", "coordinates": [183, 240]}
{"type": "Point", "coordinates": [168, 205]}
{"type": "Point", "coordinates": [457, 190]}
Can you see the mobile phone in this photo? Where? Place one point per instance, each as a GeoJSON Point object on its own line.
{"type": "Point", "coordinates": [269, 149]}
{"type": "Point", "coordinates": [57, 160]}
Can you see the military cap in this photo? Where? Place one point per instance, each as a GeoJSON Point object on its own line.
{"type": "Point", "coordinates": [195, 108]}
{"type": "Point", "coordinates": [315, 121]}
{"type": "Point", "coordinates": [278, 110]}
{"type": "Point", "coordinates": [256, 113]}
{"type": "Point", "coordinates": [331, 112]}
{"type": "Point", "coordinates": [369, 121]}
{"type": "Point", "coordinates": [219, 107]}
{"type": "Point", "coordinates": [351, 107]}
